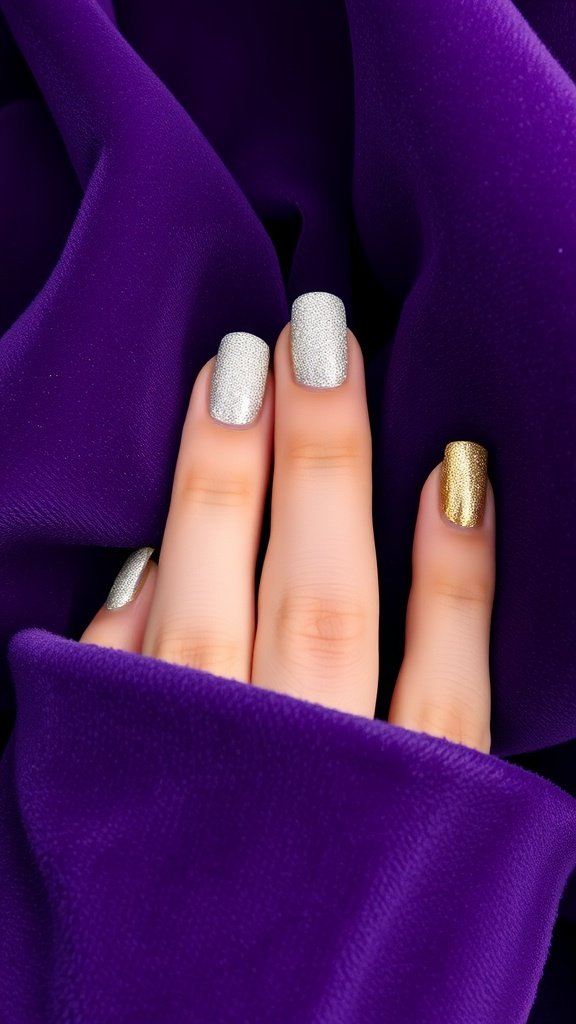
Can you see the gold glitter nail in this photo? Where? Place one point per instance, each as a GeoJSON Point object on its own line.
{"type": "Point", "coordinates": [463, 482]}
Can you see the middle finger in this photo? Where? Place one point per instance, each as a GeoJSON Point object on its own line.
{"type": "Point", "coordinates": [318, 606]}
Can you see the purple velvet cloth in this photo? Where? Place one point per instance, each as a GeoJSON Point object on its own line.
{"type": "Point", "coordinates": [177, 846]}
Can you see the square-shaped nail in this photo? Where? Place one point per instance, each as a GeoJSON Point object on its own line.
{"type": "Point", "coordinates": [463, 482]}
{"type": "Point", "coordinates": [239, 378]}
{"type": "Point", "coordinates": [319, 340]}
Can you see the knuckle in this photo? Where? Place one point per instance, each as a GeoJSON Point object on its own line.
{"type": "Point", "coordinates": [328, 629]}
{"type": "Point", "coordinates": [463, 589]}
{"type": "Point", "coordinates": [214, 491]}
{"type": "Point", "coordinates": [332, 453]}
{"type": "Point", "coordinates": [203, 650]}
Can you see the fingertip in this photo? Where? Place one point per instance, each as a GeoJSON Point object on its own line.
{"type": "Point", "coordinates": [123, 627]}
{"type": "Point", "coordinates": [284, 369]}
{"type": "Point", "coordinates": [431, 506]}
{"type": "Point", "coordinates": [205, 429]}
{"type": "Point", "coordinates": [447, 555]}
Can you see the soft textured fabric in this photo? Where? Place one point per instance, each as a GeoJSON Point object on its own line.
{"type": "Point", "coordinates": [189, 847]}
{"type": "Point", "coordinates": [176, 846]}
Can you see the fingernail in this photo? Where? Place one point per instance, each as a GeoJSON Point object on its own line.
{"type": "Point", "coordinates": [239, 378]}
{"type": "Point", "coordinates": [463, 482]}
{"type": "Point", "coordinates": [130, 579]}
{"type": "Point", "coordinates": [319, 340]}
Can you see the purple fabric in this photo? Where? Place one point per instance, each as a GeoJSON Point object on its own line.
{"type": "Point", "coordinates": [187, 847]}
{"type": "Point", "coordinates": [175, 846]}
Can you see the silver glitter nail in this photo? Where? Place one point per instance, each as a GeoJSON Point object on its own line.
{"type": "Point", "coordinates": [319, 340]}
{"type": "Point", "coordinates": [130, 579]}
{"type": "Point", "coordinates": [239, 378]}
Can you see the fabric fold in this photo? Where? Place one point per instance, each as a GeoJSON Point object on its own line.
{"type": "Point", "coordinates": [183, 846]}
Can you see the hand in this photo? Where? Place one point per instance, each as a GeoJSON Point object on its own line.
{"type": "Point", "coordinates": [318, 606]}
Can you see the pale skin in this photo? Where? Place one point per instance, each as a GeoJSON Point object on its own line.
{"type": "Point", "coordinates": [316, 634]}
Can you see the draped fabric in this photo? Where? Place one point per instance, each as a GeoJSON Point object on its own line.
{"type": "Point", "coordinates": [178, 846]}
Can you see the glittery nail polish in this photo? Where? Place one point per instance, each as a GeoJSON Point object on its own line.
{"type": "Point", "coordinates": [319, 340]}
{"type": "Point", "coordinates": [239, 378]}
{"type": "Point", "coordinates": [130, 579]}
{"type": "Point", "coordinates": [463, 482]}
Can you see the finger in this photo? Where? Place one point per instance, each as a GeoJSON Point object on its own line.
{"type": "Point", "coordinates": [317, 635]}
{"type": "Point", "coordinates": [121, 621]}
{"type": "Point", "coordinates": [203, 610]}
{"type": "Point", "coordinates": [443, 687]}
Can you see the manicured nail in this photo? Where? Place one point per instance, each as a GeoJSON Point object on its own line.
{"type": "Point", "coordinates": [319, 340]}
{"type": "Point", "coordinates": [463, 482]}
{"type": "Point", "coordinates": [239, 378]}
{"type": "Point", "coordinates": [130, 579]}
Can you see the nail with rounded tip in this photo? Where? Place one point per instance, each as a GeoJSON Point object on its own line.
{"type": "Point", "coordinates": [130, 579]}
{"type": "Point", "coordinates": [463, 476]}
{"type": "Point", "coordinates": [319, 341]}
